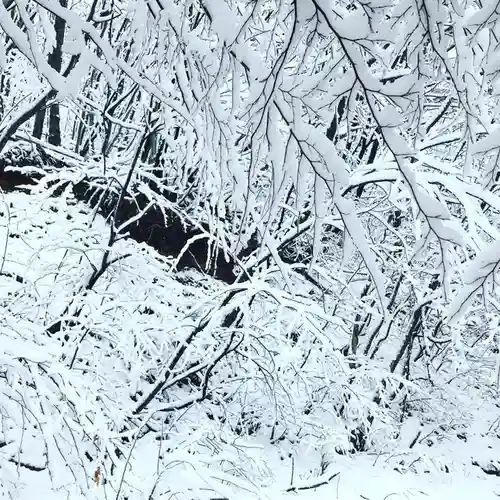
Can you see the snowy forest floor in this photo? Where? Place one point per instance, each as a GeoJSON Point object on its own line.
{"type": "Point", "coordinates": [48, 245]}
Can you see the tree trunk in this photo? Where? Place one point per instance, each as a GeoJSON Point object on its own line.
{"type": "Point", "coordinates": [39, 121]}
{"type": "Point", "coordinates": [55, 60]}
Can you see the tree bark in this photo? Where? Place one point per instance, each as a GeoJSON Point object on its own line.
{"type": "Point", "coordinates": [55, 60]}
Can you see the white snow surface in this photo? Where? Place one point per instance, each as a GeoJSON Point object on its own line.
{"type": "Point", "coordinates": [45, 238]}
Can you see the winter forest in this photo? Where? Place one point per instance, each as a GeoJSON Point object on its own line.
{"type": "Point", "coordinates": [249, 249]}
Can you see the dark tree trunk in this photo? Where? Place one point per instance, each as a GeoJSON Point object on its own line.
{"type": "Point", "coordinates": [54, 125]}
{"type": "Point", "coordinates": [55, 60]}
{"type": "Point", "coordinates": [39, 121]}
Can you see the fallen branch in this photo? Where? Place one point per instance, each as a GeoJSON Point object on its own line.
{"type": "Point", "coordinates": [320, 482]}
{"type": "Point", "coordinates": [31, 467]}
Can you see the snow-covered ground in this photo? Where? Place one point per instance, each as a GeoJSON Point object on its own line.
{"type": "Point", "coordinates": [49, 247]}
